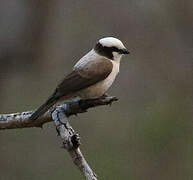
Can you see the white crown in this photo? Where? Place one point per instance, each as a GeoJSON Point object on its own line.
{"type": "Point", "coordinates": [111, 41]}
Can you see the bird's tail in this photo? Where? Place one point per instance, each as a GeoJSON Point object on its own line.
{"type": "Point", "coordinates": [43, 108]}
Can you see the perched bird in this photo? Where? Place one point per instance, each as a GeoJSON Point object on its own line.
{"type": "Point", "coordinates": [91, 76]}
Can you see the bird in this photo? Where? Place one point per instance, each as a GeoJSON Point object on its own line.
{"type": "Point", "coordinates": [91, 76]}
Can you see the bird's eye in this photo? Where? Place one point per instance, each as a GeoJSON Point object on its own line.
{"type": "Point", "coordinates": [115, 49]}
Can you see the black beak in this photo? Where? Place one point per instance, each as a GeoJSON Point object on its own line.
{"type": "Point", "coordinates": [125, 51]}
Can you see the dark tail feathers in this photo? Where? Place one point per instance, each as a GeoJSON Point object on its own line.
{"type": "Point", "coordinates": [43, 108]}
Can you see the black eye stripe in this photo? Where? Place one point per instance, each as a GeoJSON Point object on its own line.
{"type": "Point", "coordinates": [115, 49]}
{"type": "Point", "coordinates": [107, 51]}
{"type": "Point", "coordinates": [104, 51]}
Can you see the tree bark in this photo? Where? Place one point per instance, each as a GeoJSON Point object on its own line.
{"type": "Point", "coordinates": [60, 114]}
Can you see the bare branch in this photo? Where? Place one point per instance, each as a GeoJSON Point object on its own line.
{"type": "Point", "coordinates": [21, 120]}
{"type": "Point", "coordinates": [71, 140]}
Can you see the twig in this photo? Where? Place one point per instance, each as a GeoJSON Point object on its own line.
{"type": "Point", "coordinates": [21, 120]}
{"type": "Point", "coordinates": [71, 140]}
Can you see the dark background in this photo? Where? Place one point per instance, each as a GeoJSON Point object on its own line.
{"type": "Point", "coordinates": [147, 134]}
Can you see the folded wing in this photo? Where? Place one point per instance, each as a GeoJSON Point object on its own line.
{"type": "Point", "coordinates": [84, 77]}
{"type": "Point", "coordinates": [80, 78]}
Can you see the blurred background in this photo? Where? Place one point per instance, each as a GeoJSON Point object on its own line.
{"type": "Point", "coordinates": [147, 134]}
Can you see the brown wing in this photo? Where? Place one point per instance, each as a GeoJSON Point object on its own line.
{"type": "Point", "coordinates": [83, 77]}
{"type": "Point", "coordinates": [80, 78]}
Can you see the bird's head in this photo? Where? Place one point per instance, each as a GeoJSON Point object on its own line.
{"type": "Point", "coordinates": [110, 47]}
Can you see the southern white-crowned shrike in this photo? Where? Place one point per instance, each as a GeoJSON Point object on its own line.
{"type": "Point", "coordinates": [91, 76]}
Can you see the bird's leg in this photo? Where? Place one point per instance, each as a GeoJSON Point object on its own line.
{"type": "Point", "coordinates": [104, 95]}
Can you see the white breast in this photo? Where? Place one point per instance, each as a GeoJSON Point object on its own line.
{"type": "Point", "coordinates": [101, 87]}
{"type": "Point", "coordinates": [106, 84]}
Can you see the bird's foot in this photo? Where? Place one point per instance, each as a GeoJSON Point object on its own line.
{"type": "Point", "coordinates": [104, 95]}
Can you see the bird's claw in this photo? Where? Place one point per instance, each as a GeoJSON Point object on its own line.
{"type": "Point", "coordinates": [104, 95]}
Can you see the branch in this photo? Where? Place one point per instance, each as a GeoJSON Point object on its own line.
{"type": "Point", "coordinates": [21, 120]}
{"type": "Point", "coordinates": [71, 140]}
